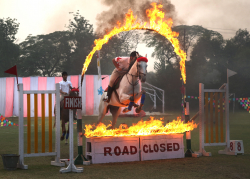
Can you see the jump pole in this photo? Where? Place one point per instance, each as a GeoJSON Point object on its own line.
{"type": "Point", "coordinates": [80, 159]}
{"type": "Point", "coordinates": [189, 152]}
{"type": "Point", "coordinates": [71, 167]}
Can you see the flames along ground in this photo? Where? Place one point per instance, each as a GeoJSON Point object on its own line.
{"type": "Point", "coordinates": [142, 128]}
{"type": "Point", "coordinates": [156, 23]}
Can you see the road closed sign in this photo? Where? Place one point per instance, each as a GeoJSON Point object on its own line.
{"type": "Point", "coordinates": [72, 102]}
{"type": "Point", "coordinates": [157, 147]}
{"type": "Point", "coordinates": [112, 149]}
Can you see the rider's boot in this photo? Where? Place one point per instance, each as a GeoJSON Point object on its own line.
{"type": "Point", "coordinates": [108, 94]}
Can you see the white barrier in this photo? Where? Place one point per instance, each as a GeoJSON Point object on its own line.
{"type": "Point", "coordinates": [56, 153]}
{"type": "Point", "coordinates": [214, 121]}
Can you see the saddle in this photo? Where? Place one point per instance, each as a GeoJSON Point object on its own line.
{"type": "Point", "coordinates": [115, 87]}
{"type": "Point", "coordinates": [116, 83]}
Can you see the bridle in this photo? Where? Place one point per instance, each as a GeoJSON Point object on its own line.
{"type": "Point", "coordinates": [138, 74]}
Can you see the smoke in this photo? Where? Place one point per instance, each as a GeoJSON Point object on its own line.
{"type": "Point", "coordinates": [118, 8]}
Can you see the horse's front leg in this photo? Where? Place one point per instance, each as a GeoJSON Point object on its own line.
{"type": "Point", "coordinates": [142, 96]}
{"type": "Point", "coordinates": [67, 135]}
{"type": "Point", "coordinates": [137, 97]}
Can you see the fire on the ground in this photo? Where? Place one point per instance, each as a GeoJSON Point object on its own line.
{"type": "Point", "coordinates": [142, 128]}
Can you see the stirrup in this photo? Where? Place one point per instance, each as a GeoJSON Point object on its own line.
{"type": "Point", "coordinates": [106, 100]}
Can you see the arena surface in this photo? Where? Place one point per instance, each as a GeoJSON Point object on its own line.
{"type": "Point", "coordinates": [217, 166]}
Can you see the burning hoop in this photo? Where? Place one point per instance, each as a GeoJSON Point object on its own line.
{"type": "Point", "coordinates": [156, 24]}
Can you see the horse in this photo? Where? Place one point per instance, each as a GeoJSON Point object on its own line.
{"type": "Point", "coordinates": [129, 90]}
{"type": "Point", "coordinates": [64, 114]}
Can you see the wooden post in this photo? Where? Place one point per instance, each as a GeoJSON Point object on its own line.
{"type": "Point", "coordinates": [28, 124]}
{"type": "Point", "coordinates": [36, 123]}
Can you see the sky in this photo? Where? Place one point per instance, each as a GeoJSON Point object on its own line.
{"type": "Point", "coordinates": [46, 16]}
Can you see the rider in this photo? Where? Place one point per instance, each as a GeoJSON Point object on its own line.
{"type": "Point", "coordinates": [122, 64]}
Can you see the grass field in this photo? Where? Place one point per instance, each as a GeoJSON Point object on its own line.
{"type": "Point", "coordinates": [217, 166]}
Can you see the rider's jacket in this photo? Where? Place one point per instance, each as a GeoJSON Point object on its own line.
{"type": "Point", "coordinates": [123, 62]}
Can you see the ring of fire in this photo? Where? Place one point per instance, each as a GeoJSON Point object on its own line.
{"type": "Point", "coordinates": [156, 24]}
{"type": "Point", "coordinates": [153, 126]}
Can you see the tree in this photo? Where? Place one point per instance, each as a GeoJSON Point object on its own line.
{"type": "Point", "coordinates": [9, 51]}
{"type": "Point", "coordinates": [45, 55]}
{"type": "Point", "coordinates": [237, 52]}
{"type": "Point", "coordinates": [200, 43]}
{"type": "Point", "coordinates": [83, 40]}
{"type": "Point", "coordinates": [50, 54]}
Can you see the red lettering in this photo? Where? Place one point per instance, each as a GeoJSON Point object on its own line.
{"type": "Point", "coordinates": [150, 150]}
{"type": "Point", "coordinates": [119, 151]}
{"type": "Point", "coordinates": [144, 149]}
{"type": "Point", "coordinates": [125, 150]}
{"type": "Point", "coordinates": [131, 150]}
{"type": "Point", "coordinates": [163, 149]}
{"type": "Point", "coordinates": [169, 147]}
{"type": "Point", "coordinates": [156, 148]}
{"type": "Point", "coordinates": [107, 150]}
{"type": "Point", "coordinates": [176, 146]}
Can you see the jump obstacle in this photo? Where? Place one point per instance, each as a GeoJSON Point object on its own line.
{"type": "Point", "coordinates": [56, 153]}
{"type": "Point", "coordinates": [211, 120]}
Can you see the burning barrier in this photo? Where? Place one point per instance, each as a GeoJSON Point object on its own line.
{"type": "Point", "coordinates": [134, 148]}
{"type": "Point", "coordinates": [142, 128]}
{"type": "Point", "coordinates": [156, 23]}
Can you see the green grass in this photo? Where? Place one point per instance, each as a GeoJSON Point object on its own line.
{"type": "Point", "coordinates": [217, 166]}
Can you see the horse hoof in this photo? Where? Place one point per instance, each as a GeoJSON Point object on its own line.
{"type": "Point", "coordinates": [137, 110]}
{"type": "Point", "coordinates": [62, 137]}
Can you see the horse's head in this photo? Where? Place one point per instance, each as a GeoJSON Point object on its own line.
{"type": "Point", "coordinates": [142, 68]}
{"type": "Point", "coordinates": [74, 92]}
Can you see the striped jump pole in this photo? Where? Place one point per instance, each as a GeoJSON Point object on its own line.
{"type": "Point", "coordinates": [36, 152]}
{"type": "Point", "coordinates": [189, 152]}
{"type": "Point", "coordinates": [79, 160]}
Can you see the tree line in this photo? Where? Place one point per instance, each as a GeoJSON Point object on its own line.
{"type": "Point", "coordinates": [209, 56]}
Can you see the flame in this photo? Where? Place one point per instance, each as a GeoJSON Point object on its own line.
{"type": "Point", "coordinates": [150, 127]}
{"type": "Point", "coordinates": [157, 24]}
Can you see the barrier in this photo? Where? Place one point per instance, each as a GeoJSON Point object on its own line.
{"type": "Point", "coordinates": [56, 153]}
{"type": "Point", "coordinates": [214, 124]}
{"type": "Point", "coordinates": [134, 148]}
{"type": "Point", "coordinates": [72, 105]}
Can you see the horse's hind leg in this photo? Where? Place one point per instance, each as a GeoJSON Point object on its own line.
{"type": "Point", "coordinates": [102, 111]}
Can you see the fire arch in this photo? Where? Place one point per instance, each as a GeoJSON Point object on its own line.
{"type": "Point", "coordinates": [156, 23]}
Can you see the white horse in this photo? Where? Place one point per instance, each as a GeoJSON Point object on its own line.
{"type": "Point", "coordinates": [129, 90]}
